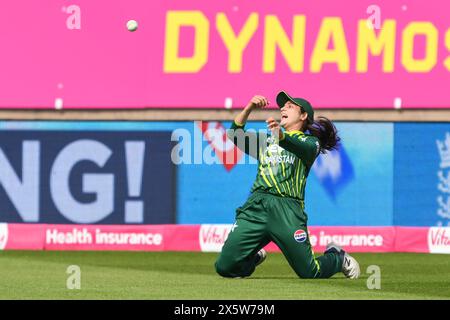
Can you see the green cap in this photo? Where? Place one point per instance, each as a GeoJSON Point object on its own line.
{"type": "Point", "coordinates": [283, 97]}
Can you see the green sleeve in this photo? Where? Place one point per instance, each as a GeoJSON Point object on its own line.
{"type": "Point", "coordinates": [305, 147]}
{"type": "Point", "coordinates": [244, 140]}
{"type": "Point", "coordinates": [235, 126]}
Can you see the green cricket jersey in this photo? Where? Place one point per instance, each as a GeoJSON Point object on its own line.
{"type": "Point", "coordinates": [284, 167]}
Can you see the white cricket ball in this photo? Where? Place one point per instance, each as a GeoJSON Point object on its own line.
{"type": "Point", "coordinates": [132, 25]}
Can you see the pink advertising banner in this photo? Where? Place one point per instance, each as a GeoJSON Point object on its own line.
{"type": "Point", "coordinates": [211, 237]}
{"type": "Point", "coordinates": [218, 54]}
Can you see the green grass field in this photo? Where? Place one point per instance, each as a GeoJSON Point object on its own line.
{"type": "Point", "coordinates": [175, 275]}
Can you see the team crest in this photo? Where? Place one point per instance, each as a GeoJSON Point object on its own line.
{"type": "Point", "coordinates": [275, 149]}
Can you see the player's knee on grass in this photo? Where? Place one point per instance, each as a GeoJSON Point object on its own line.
{"type": "Point", "coordinates": [221, 270]}
{"type": "Point", "coordinates": [224, 269]}
{"type": "Point", "coordinates": [230, 269]}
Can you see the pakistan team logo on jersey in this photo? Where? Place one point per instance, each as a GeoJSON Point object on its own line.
{"type": "Point", "coordinates": [273, 156]}
{"type": "Point", "coordinates": [274, 149]}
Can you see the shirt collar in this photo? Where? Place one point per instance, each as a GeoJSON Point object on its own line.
{"type": "Point", "coordinates": [294, 131]}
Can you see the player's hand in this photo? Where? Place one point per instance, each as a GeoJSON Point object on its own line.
{"type": "Point", "coordinates": [275, 127]}
{"type": "Point", "coordinates": [258, 102]}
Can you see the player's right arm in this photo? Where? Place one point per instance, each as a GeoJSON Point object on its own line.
{"type": "Point", "coordinates": [246, 141]}
{"type": "Point", "coordinates": [255, 103]}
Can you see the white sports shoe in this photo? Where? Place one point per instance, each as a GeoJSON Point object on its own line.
{"type": "Point", "coordinates": [350, 267]}
{"type": "Point", "coordinates": [261, 256]}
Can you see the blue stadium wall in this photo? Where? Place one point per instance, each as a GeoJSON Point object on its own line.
{"type": "Point", "coordinates": [384, 174]}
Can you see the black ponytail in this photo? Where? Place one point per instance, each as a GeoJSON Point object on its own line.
{"type": "Point", "coordinates": [326, 132]}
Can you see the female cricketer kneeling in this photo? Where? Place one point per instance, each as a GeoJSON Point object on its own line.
{"type": "Point", "coordinates": [275, 209]}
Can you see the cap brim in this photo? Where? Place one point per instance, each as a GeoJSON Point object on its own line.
{"type": "Point", "coordinates": [282, 98]}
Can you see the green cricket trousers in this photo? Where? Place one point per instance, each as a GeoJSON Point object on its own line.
{"type": "Point", "coordinates": [266, 217]}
